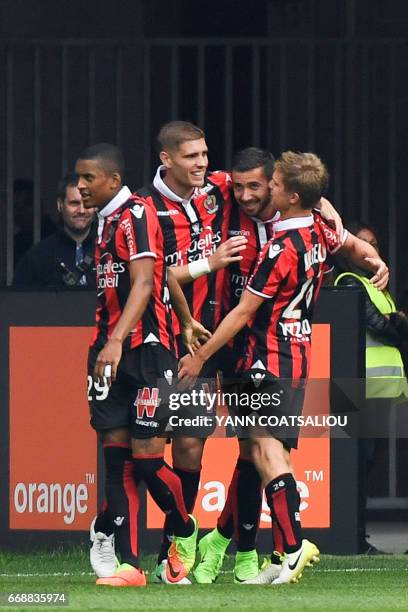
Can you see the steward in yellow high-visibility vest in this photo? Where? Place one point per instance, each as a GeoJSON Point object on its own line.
{"type": "Point", "coordinates": [385, 376]}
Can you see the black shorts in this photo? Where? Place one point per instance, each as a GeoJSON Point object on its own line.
{"type": "Point", "coordinates": [195, 417]}
{"type": "Point", "coordinates": [270, 408]}
{"type": "Point", "coordinates": [139, 397]}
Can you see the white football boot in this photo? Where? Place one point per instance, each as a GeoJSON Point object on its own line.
{"type": "Point", "coordinates": [102, 553]}
{"type": "Point", "coordinates": [294, 563]}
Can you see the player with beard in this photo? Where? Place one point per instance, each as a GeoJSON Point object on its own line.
{"type": "Point", "coordinates": [287, 267]}
{"type": "Point", "coordinates": [194, 211]}
{"type": "Point", "coordinates": [253, 216]}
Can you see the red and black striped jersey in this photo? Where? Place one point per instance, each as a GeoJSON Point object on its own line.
{"type": "Point", "coordinates": [128, 230]}
{"type": "Point", "coordinates": [192, 230]}
{"type": "Point", "coordinates": [257, 233]}
{"type": "Point", "coordinates": [288, 275]}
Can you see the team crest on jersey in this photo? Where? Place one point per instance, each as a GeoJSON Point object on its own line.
{"type": "Point", "coordinates": [146, 402]}
{"type": "Point", "coordinates": [210, 204]}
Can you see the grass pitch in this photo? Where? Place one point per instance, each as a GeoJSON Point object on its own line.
{"type": "Point", "coordinates": [337, 583]}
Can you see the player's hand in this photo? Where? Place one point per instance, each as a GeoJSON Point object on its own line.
{"type": "Point", "coordinates": [107, 362]}
{"type": "Point", "coordinates": [331, 216]}
{"type": "Point", "coordinates": [189, 369]}
{"type": "Point", "coordinates": [227, 252]}
{"type": "Point", "coordinates": [381, 272]}
{"type": "Point", "coordinates": [194, 334]}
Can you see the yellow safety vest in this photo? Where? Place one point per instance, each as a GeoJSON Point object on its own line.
{"type": "Point", "coordinates": [385, 375]}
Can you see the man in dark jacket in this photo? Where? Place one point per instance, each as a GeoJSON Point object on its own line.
{"type": "Point", "coordinates": [64, 259]}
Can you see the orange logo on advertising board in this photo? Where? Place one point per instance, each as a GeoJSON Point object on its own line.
{"type": "Point", "coordinates": [53, 483]}
{"type": "Point", "coordinates": [311, 460]}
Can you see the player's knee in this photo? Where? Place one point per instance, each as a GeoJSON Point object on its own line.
{"type": "Point", "coordinates": [270, 457]}
{"type": "Point", "coordinates": [187, 453]}
{"type": "Point", "coordinates": [115, 436]}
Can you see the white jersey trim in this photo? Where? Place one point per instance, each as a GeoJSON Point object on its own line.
{"type": "Point", "coordinates": [144, 254]}
{"type": "Point", "coordinates": [267, 297]}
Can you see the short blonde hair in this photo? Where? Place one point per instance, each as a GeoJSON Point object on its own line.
{"type": "Point", "coordinates": [304, 174]}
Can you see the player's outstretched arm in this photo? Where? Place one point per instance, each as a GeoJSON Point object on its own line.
{"type": "Point", "coordinates": [190, 367]}
{"type": "Point", "coordinates": [363, 255]}
{"type": "Point", "coordinates": [226, 253]}
{"type": "Point", "coordinates": [141, 280]}
{"type": "Point", "coordinates": [192, 331]}
{"type": "Point", "coordinates": [330, 215]}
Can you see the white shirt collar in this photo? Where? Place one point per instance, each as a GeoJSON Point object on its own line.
{"type": "Point", "coordinates": [161, 186]}
{"type": "Point", "coordinates": [273, 219]}
{"type": "Point", "coordinates": [120, 198]}
{"type": "Point", "coordinates": [293, 223]}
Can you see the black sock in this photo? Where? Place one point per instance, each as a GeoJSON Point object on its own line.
{"type": "Point", "coordinates": [103, 522]}
{"type": "Point", "coordinates": [283, 500]}
{"type": "Point", "coordinates": [240, 516]}
{"type": "Point", "coordinates": [165, 488]}
{"type": "Point", "coordinates": [189, 482]}
{"type": "Point", "coordinates": [123, 501]}
{"type": "Point", "coordinates": [249, 502]}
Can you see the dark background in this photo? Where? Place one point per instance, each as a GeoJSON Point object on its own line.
{"type": "Point", "coordinates": [327, 76]}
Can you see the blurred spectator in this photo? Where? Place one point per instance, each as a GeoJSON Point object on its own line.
{"type": "Point", "coordinates": [386, 335]}
{"type": "Point", "coordinates": [23, 203]}
{"type": "Point", "coordinates": [64, 259]}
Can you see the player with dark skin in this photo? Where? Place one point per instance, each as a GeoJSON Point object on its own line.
{"type": "Point", "coordinates": [100, 185]}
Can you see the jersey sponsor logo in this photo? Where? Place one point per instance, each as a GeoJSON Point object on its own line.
{"type": "Point", "coordinates": [146, 402]}
{"type": "Point", "coordinates": [167, 213]}
{"type": "Point", "coordinates": [210, 204]}
{"type": "Point", "coordinates": [299, 330]}
{"type": "Point", "coordinates": [242, 232]}
{"type": "Point", "coordinates": [314, 256]}
{"type": "Point", "coordinates": [119, 520]}
{"type": "Point", "coordinates": [108, 272]}
{"type": "Point", "coordinates": [238, 282]}
{"type": "Point", "coordinates": [198, 249]}
{"type": "Point", "coordinates": [126, 226]}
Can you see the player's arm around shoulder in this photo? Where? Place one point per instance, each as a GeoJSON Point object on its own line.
{"type": "Point", "coordinates": [364, 255]}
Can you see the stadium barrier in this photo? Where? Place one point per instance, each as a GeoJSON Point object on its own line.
{"type": "Point", "coordinates": [51, 470]}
